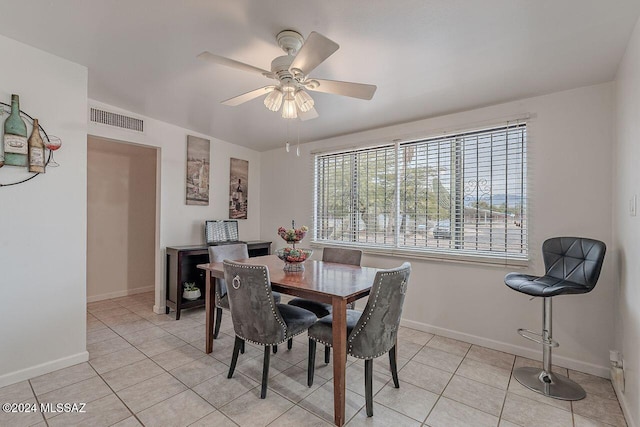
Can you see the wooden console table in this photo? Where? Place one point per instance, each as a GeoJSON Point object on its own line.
{"type": "Point", "coordinates": [181, 267]}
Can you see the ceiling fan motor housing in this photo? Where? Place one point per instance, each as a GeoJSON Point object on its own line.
{"type": "Point", "coordinates": [280, 67]}
{"type": "Point", "coordinates": [290, 41]}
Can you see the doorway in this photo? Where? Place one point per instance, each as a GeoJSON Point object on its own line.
{"type": "Point", "coordinates": [121, 218]}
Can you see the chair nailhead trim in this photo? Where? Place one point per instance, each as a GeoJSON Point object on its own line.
{"type": "Point", "coordinates": [355, 333]}
{"type": "Point", "coordinates": [275, 343]}
{"type": "Point", "coordinates": [267, 287]}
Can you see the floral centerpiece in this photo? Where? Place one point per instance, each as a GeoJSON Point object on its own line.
{"type": "Point", "coordinates": [293, 257]}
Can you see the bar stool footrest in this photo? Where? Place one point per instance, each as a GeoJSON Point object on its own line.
{"type": "Point", "coordinates": [526, 333]}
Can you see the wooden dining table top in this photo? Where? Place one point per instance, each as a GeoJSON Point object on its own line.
{"type": "Point", "coordinates": [320, 280]}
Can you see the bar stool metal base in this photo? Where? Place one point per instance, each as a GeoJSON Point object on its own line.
{"type": "Point", "coordinates": [549, 384]}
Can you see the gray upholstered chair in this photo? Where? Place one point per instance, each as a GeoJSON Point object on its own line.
{"type": "Point", "coordinates": [572, 266]}
{"type": "Point", "coordinates": [321, 309]}
{"type": "Point", "coordinates": [256, 316]}
{"type": "Point", "coordinates": [373, 332]}
{"type": "Point", "coordinates": [219, 254]}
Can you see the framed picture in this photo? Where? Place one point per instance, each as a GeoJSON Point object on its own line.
{"type": "Point", "coordinates": [197, 171]}
{"type": "Point", "coordinates": [238, 189]}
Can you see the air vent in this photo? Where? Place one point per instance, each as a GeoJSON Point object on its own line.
{"type": "Point", "coordinates": [117, 120]}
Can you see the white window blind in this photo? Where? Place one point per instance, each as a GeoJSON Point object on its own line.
{"type": "Point", "coordinates": [457, 194]}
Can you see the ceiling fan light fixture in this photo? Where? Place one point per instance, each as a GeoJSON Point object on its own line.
{"type": "Point", "coordinates": [273, 101]}
{"type": "Point", "coordinates": [304, 101]}
{"type": "Point", "coordinates": [289, 110]}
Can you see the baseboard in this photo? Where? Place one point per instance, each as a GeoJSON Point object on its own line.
{"type": "Point", "coordinates": [44, 368]}
{"type": "Point", "coordinates": [565, 362]}
{"type": "Point", "coordinates": [626, 411]}
{"type": "Point", "coordinates": [122, 293]}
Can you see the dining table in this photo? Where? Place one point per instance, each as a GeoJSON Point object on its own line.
{"type": "Point", "coordinates": [328, 282]}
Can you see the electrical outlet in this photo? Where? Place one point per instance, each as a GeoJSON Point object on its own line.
{"type": "Point", "coordinates": [633, 205]}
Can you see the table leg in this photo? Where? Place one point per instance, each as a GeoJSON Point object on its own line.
{"type": "Point", "coordinates": [339, 359]}
{"type": "Point", "coordinates": [209, 310]}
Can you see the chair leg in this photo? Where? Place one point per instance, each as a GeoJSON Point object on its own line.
{"type": "Point", "coordinates": [311, 366]}
{"type": "Point", "coordinates": [242, 347]}
{"type": "Point", "coordinates": [275, 349]}
{"type": "Point", "coordinates": [236, 349]}
{"type": "Point", "coordinates": [290, 344]}
{"type": "Point", "coordinates": [265, 372]}
{"type": "Point", "coordinates": [327, 354]}
{"type": "Point", "coordinates": [216, 330]}
{"type": "Point", "coordinates": [394, 366]}
{"type": "Point", "coordinates": [368, 386]}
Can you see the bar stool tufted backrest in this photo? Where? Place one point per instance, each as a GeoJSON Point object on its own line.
{"type": "Point", "coordinates": [574, 259]}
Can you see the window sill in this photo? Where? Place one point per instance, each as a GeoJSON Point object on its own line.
{"type": "Point", "coordinates": [488, 261]}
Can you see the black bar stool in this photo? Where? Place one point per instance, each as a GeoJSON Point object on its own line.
{"type": "Point", "coordinates": [572, 266]}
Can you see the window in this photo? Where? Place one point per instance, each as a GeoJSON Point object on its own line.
{"type": "Point", "coordinates": [459, 194]}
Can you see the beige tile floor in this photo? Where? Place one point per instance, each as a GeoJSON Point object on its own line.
{"type": "Point", "coordinates": [148, 369]}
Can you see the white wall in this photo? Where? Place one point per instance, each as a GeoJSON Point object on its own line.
{"type": "Point", "coordinates": [570, 178]}
{"type": "Point", "coordinates": [626, 227]}
{"type": "Point", "coordinates": [43, 222]}
{"type": "Point", "coordinates": [121, 206]}
{"type": "Point", "coordinates": [181, 224]}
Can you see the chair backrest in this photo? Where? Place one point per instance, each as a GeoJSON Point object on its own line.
{"type": "Point", "coordinates": [222, 252]}
{"type": "Point", "coordinates": [342, 256]}
{"type": "Point", "coordinates": [575, 259]}
{"type": "Point", "coordinates": [255, 316]}
{"type": "Point", "coordinates": [219, 254]}
{"type": "Point", "coordinates": [376, 331]}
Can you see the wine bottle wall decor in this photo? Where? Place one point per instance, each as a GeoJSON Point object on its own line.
{"type": "Point", "coordinates": [36, 149]}
{"type": "Point", "coordinates": [15, 136]}
{"type": "Point", "coordinates": [34, 154]}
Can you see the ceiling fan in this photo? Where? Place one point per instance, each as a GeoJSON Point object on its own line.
{"type": "Point", "coordinates": [291, 71]}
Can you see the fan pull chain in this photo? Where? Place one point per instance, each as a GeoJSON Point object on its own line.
{"type": "Point", "coordinates": [298, 147]}
{"type": "Point", "coordinates": [287, 146]}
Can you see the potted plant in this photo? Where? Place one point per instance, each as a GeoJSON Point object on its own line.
{"type": "Point", "coordinates": [191, 291]}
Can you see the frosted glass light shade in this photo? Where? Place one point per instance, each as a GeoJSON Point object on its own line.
{"type": "Point", "coordinates": [273, 100]}
{"type": "Point", "coordinates": [304, 101]}
{"type": "Point", "coordinates": [289, 110]}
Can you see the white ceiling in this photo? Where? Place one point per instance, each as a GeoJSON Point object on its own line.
{"type": "Point", "coordinates": [427, 57]}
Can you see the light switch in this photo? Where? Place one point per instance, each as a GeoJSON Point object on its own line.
{"type": "Point", "coordinates": [633, 205]}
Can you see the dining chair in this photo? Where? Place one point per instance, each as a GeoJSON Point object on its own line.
{"type": "Point", "coordinates": [321, 309]}
{"type": "Point", "coordinates": [256, 316]}
{"type": "Point", "coordinates": [218, 254]}
{"type": "Point", "coordinates": [372, 332]}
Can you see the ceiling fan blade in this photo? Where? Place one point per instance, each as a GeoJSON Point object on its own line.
{"type": "Point", "coordinates": [237, 100]}
{"type": "Point", "coordinates": [354, 90]}
{"type": "Point", "coordinates": [221, 60]}
{"type": "Point", "coordinates": [311, 114]}
{"type": "Point", "coordinates": [315, 49]}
